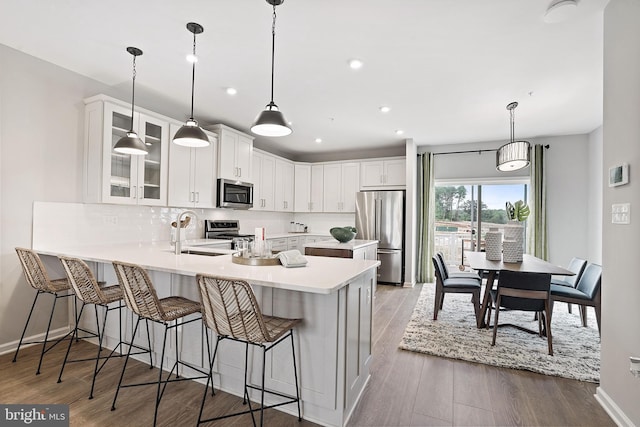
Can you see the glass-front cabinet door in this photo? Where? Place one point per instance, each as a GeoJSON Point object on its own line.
{"type": "Point", "coordinates": [135, 179]}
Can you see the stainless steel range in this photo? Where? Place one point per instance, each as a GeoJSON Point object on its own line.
{"type": "Point", "coordinates": [226, 230]}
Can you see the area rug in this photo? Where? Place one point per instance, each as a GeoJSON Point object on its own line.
{"type": "Point", "coordinates": [454, 335]}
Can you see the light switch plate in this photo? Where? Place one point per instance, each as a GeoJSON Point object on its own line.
{"type": "Point", "coordinates": [621, 213]}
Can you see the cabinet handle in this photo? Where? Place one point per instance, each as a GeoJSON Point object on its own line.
{"type": "Point", "coordinates": [197, 197]}
{"type": "Point", "coordinates": [135, 192]}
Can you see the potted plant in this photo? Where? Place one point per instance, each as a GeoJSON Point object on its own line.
{"type": "Point", "coordinates": [513, 244]}
{"type": "Point", "coordinates": [519, 211]}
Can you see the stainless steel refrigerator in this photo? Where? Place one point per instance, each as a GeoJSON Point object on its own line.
{"type": "Point", "coordinates": [380, 216]}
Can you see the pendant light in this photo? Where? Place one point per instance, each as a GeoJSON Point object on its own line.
{"type": "Point", "coordinates": [190, 134]}
{"type": "Point", "coordinates": [515, 154]}
{"type": "Point", "coordinates": [271, 122]}
{"type": "Point", "coordinates": [131, 143]}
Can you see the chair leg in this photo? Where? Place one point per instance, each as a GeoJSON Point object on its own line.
{"type": "Point", "coordinates": [209, 377]}
{"type": "Point", "coordinates": [35, 299]}
{"type": "Point", "coordinates": [597, 309]}
{"type": "Point", "coordinates": [101, 339]}
{"type": "Point", "coordinates": [295, 374]}
{"type": "Point", "coordinates": [495, 321]}
{"type": "Point", "coordinates": [437, 303]}
{"type": "Point", "coordinates": [583, 315]}
{"type": "Point", "coordinates": [75, 333]}
{"type": "Point", "coordinates": [46, 335]}
{"type": "Point", "coordinates": [124, 367]}
{"type": "Point", "coordinates": [158, 395]}
{"type": "Point", "coordinates": [548, 326]}
{"type": "Point", "coordinates": [149, 344]}
{"type": "Point", "coordinates": [569, 307]}
{"type": "Point", "coordinates": [264, 362]}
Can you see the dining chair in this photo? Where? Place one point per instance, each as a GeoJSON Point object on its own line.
{"type": "Point", "coordinates": [38, 278]}
{"type": "Point", "coordinates": [91, 292]}
{"type": "Point", "coordinates": [231, 311]}
{"type": "Point", "coordinates": [524, 292]}
{"type": "Point", "coordinates": [586, 293]}
{"type": "Point", "coordinates": [577, 266]}
{"type": "Point", "coordinates": [141, 298]}
{"type": "Point", "coordinates": [458, 285]}
{"type": "Point", "coordinates": [459, 274]}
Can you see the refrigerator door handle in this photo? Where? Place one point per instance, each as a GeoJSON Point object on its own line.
{"type": "Point", "coordinates": [378, 216]}
{"type": "Point", "coordinates": [388, 251]}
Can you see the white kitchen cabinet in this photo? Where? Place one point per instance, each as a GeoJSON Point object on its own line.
{"type": "Point", "coordinates": [308, 187]}
{"type": "Point", "coordinates": [192, 173]}
{"type": "Point", "coordinates": [280, 244]}
{"type": "Point", "coordinates": [341, 183]}
{"type": "Point", "coordinates": [111, 177]}
{"type": "Point", "coordinates": [284, 185]}
{"type": "Point", "coordinates": [383, 173]}
{"type": "Point", "coordinates": [234, 153]}
{"type": "Point", "coordinates": [263, 174]}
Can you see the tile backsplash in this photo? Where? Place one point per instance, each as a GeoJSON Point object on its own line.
{"type": "Point", "coordinates": [57, 225]}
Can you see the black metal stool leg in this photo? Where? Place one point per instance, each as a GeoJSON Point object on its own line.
{"type": "Point", "coordinates": [158, 395]}
{"type": "Point", "coordinates": [149, 343]}
{"type": "Point", "coordinates": [264, 361]}
{"type": "Point", "coordinates": [101, 338]}
{"type": "Point", "coordinates": [124, 367]}
{"type": "Point", "coordinates": [75, 333]}
{"type": "Point", "coordinates": [46, 336]}
{"type": "Point", "coordinates": [35, 299]}
{"type": "Point", "coordinates": [295, 374]}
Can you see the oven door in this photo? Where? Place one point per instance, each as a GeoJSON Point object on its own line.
{"type": "Point", "coordinates": [234, 194]}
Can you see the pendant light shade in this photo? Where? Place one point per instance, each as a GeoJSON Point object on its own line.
{"type": "Point", "coordinates": [271, 121]}
{"type": "Point", "coordinates": [190, 134]}
{"type": "Point", "coordinates": [131, 143]}
{"type": "Point", "coordinates": [515, 154]}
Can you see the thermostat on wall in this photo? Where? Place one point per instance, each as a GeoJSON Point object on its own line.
{"type": "Point", "coordinates": [619, 175]}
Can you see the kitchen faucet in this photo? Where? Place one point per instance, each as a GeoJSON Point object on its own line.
{"type": "Point", "coordinates": [178, 226]}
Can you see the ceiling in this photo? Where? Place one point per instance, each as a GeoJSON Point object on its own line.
{"type": "Point", "coordinates": [447, 69]}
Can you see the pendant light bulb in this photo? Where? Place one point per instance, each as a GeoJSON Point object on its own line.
{"type": "Point", "coordinates": [513, 155]}
{"type": "Point", "coordinates": [271, 121]}
{"type": "Point", "coordinates": [190, 134]}
{"type": "Point", "coordinates": [131, 143]}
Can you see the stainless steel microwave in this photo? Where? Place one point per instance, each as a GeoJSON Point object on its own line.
{"type": "Point", "coordinates": [234, 194]}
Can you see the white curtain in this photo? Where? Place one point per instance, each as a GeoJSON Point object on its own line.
{"type": "Point", "coordinates": [426, 218]}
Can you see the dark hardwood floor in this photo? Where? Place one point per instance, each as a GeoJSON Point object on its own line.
{"type": "Point", "coordinates": [406, 388]}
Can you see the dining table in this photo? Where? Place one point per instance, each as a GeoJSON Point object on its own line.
{"type": "Point", "coordinates": [530, 264]}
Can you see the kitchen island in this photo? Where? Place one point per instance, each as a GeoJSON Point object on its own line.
{"type": "Point", "coordinates": [333, 296]}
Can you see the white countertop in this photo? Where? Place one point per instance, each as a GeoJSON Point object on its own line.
{"type": "Point", "coordinates": [334, 244]}
{"type": "Point", "coordinates": [321, 275]}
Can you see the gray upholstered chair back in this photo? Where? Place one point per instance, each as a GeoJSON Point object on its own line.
{"type": "Point", "coordinates": [577, 266]}
{"type": "Point", "coordinates": [438, 269]}
{"type": "Point", "coordinates": [523, 281]}
{"type": "Point", "coordinates": [229, 308]}
{"type": "Point", "coordinates": [443, 265]}
{"type": "Point", "coordinates": [590, 280]}
{"type": "Point", "coordinates": [83, 281]}
{"type": "Point", "coordinates": [139, 293]}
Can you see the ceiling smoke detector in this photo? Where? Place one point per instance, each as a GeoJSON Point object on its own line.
{"type": "Point", "coordinates": [560, 11]}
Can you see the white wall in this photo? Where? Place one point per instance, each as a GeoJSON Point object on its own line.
{"type": "Point", "coordinates": [567, 186]}
{"type": "Point", "coordinates": [594, 196]}
{"type": "Point", "coordinates": [619, 390]}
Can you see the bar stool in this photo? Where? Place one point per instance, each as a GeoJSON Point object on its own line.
{"type": "Point", "coordinates": [230, 309]}
{"type": "Point", "coordinates": [88, 290]}
{"type": "Point", "coordinates": [140, 296]}
{"type": "Point", "coordinates": [37, 277]}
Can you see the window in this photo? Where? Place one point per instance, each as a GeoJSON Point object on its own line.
{"type": "Point", "coordinates": [457, 213]}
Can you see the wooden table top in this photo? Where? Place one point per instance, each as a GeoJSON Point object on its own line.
{"type": "Point", "coordinates": [529, 264]}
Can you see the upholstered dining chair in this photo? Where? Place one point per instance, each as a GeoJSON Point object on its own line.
{"type": "Point", "coordinates": [458, 285]}
{"type": "Point", "coordinates": [586, 293]}
{"type": "Point", "coordinates": [231, 311]}
{"type": "Point", "coordinates": [38, 278]}
{"type": "Point", "coordinates": [524, 292]}
{"type": "Point", "coordinates": [141, 298]}
{"type": "Point", "coordinates": [577, 266]}
{"type": "Point", "coordinates": [91, 292]}
{"type": "Point", "coordinates": [458, 274]}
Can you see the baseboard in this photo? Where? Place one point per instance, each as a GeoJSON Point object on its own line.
{"type": "Point", "coordinates": [53, 335]}
{"type": "Point", "coordinates": [612, 409]}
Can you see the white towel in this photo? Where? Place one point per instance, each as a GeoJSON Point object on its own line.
{"type": "Point", "coordinates": [292, 258]}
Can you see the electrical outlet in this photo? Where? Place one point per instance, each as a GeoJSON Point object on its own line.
{"type": "Point", "coordinates": [621, 213]}
{"type": "Point", "coordinates": [110, 219]}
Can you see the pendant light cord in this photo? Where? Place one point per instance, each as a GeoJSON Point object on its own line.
{"type": "Point", "coordinates": [193, 74]}
{"type": "Point", "coordinates": [273, 49]}
{"type": "Point", "coordinates": [133, 91]}
{"type": "Point", "coordinates": [511, 115]}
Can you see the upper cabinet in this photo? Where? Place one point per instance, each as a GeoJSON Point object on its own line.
{"type": "Point", "coordinates": [263, 173]}
{"type": "Point", "coordinates": [383, 173]}
{"type": "Point", "coordinates": [234, 153]}
{"type": "Point", "coordinates": [192, 173]}
{"type": "Point", "coordinates": [341, 183]}
{"type": "Point", "coordinates": [308, 187]}
{"type": "Point", "coordinates": [111, 177]}
{"type": "Point", "coordinates": [284, 185]}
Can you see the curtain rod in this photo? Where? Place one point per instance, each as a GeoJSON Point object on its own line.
{"type": "Point", "coordinates": [475, 151]}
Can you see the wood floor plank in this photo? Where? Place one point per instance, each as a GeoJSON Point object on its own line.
{"type": "Point", "coordinates": [464, 415]}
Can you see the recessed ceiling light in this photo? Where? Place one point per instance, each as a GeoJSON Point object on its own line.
{"type": "Point", "coordinates": [192, 58]}
{"type": "Point", "coordinates": [399, 132]}
{"type": "Point", "coordinates": [318, 140]}
{"type": "Point", "coordinates": [355, 64]}
{"type": "Point", "coordinates": [231, 91]}
{"type": "Point", "coordinates": [384, 109]}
